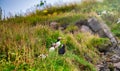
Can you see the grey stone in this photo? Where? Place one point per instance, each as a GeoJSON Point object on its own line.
{"type": "Point", "coordinates": [102, 30]}
{"type": "Point", "coordinates": [81, 22]}
{"type": "Point", "coordinates": [101, 33]}
{"type": "Point", "coordinates": [94, 24]}
{"type": "Point", "coordinates": [116, 50]}
{"type": "Point", "coordinates": [115, 58]}
{"type": "Point", "coordinates": [109, 35]}
{"type": "Point", "coordinates": [116, 69]}
{"type": "Point", "coordinates": [104, 67]}
{"type": "Point", "coordinates": [85, 29]}
{"type": "Point", "coordinates": [54, 25]}
{"type": "Point", "coordinates": [117, 65]}
{"type": "Point", "coordinates": [111, 49]}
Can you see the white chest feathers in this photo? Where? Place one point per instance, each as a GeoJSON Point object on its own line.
{"type": "Point", "coordinates": [51, 49]}
{"type": "Point", "coordinates": [57, 44]}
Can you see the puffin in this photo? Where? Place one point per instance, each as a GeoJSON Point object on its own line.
{"type": "Point", "coordinates": [62, 50]}
{"type": "Point", "coordinates": [58, 43]}
{"type": "Point", "coordinates": [52, 48]}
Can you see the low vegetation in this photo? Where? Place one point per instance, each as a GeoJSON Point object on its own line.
{"type": "Point", "coordinates": [23, 39]}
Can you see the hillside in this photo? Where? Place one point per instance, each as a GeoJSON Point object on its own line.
{"type": "Point", "coordinates": [24, 38]}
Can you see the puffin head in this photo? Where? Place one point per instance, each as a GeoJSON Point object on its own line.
{"type": "Point", "coordinates": [63, 46]}
{"type": "Point", "coordinates": [59, 38]}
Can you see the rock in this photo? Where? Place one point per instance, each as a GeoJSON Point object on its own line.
{"type": "Point", "coordinates": [116, 69]}
{"type": "Point", "coordinates": [109, 35]}
{"type": "Point", "coordinates": [116, 50]}
{"type": "Point", "coordinates": [117, 65]}
{"type": "Point", "coordinates": [102, 30]}
{"type": "Point", "coordinates": [115, 58]}
{"type": "Point", "coordinates": [54, 25]}
{"type": "Point", "coordinates": [63, 26]}
{"type": "Point", "coordinates": [94, 25]}
{"type": "Point", "coordinates": [104, 67]}
{"type": "Point", "coordinates": [111, 49]}
{"type": "Point", "coordinates": [81, 22]}
{"type": "Point", "coordinates": [101, 33]}
{"type": "Point", "coordinates": [85, 29]}
{"type": "Point", "coordinates": [103, 49]}
{"type": "Point", "coordinates": [99, 66]}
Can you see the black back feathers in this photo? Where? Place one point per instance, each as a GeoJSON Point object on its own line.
{"type": "Point", "coordinates": [61, 50]}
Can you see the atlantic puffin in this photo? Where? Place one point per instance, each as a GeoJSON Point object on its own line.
{"type": "Point", "coordinates": [58, 43]}
{"type": "Point", "coordinates": [52, 48]}
{"type": "Point", "coordinates": [62, 50]}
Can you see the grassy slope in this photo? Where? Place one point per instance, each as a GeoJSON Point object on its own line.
{"type": "Point", "coordinates": [22, 39]}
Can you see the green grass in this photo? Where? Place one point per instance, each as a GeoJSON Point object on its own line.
{"type": "Point", "coordinates": [23, 39]}
{"type": "Point", "coordinates": [19, 48]}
